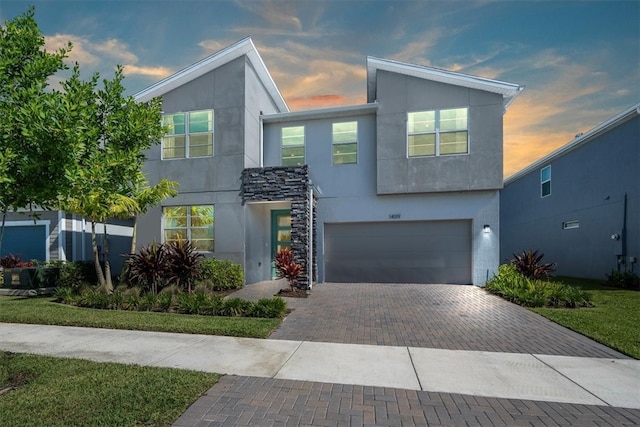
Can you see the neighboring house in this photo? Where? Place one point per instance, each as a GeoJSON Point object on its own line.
{"type": "Point", "coordinates": [580, 205]}
{"type": "Point", "coordinates": [57, 235]}
{"type": "Point", "coordinates": [402, 189]}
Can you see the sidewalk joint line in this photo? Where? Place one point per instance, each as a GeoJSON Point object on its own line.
{"type": "Point", "coordinates": [574, 382]}
{"type": "Point", "coordinates": [288, 358]}
{"type": "Point", "coordinates": [413, 365]}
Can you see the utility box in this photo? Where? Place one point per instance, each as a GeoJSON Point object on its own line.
{"type": "Point", "coordinates": [31, 277]}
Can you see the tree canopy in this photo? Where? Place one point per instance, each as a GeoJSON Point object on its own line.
{"type": "Point", "coordinates": [78, 149]}
{"type": "Point", "coordinates": [34, 147]}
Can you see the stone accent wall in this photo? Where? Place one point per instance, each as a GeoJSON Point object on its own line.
{"type": "Point", "coordinates": [286, 183]}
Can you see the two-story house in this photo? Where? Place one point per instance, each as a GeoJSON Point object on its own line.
{"type": "Point", "coordinates": [580, 204]}
{"type": "Point", "coordinates": [404, 188]}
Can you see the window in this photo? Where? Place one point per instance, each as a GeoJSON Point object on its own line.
{"type": "Point", "coordinates": [545, 181]}
{"type": "Point", "coordinates": [568, 225]}
{"type": "Point", "coordinates": [345, 143]}
{"type": "Point", "coordinates": [438, 132]}
{"type": "Point", "coordinates": [193, 223]}
{"type": "Point", "coordinates": [293, 146]}
{"type": "Point", "coordinates": [190, 135]}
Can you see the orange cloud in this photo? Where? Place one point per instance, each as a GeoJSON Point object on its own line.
{"type": "Point", "coordinates": [319, 101]}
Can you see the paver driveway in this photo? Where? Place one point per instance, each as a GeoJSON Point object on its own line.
{"type": "Point", "coordinates": [436, 316]}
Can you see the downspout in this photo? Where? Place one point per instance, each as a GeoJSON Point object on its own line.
{"type": "Point", "coordinates": [82, 241]}
{"type": "Point", "coordinates": [310, 246]}
{"type": "Point", "coordinates": [62, 232]}
{"type": "Point", "coordinates": [261, 137]}
{"type": "Point", "coordinates": [623, 234]}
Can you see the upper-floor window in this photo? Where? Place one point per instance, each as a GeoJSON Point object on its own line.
{"type": "Point", "coordinates": [345, 143]}
{"type": "Point", "coordinates": [438, 132]}
{"type": "Point", "coordinates": [545, 181]}
{"type": "Point", "coordinates": [193, 223]}
{"type": "Point", "coordinates": [293, 146]}
{"type": "Point", "coordinates": [190, 135]}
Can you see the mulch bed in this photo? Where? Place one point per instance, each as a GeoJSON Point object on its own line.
{"type": "Point", "coordinates": [292, 293]}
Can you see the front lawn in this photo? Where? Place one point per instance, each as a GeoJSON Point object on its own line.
{"type": "Point", "coordinates": [44, 311]}
{"type": "Point", "coordinates": [66, 392]}
{"type": "Point", "coordinates": [614, 319]}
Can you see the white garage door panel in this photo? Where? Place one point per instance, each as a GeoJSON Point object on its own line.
{"type": "Point", "coordinates": [401, 252]}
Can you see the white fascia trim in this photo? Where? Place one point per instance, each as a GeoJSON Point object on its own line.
{"type": "Point", "coordinates": [509, 91]}
{"type": "Point", "coordinates": [603, 127]}
{"type": "Point", "coordinates": [228, 54]}
{"type": "Point", "coordinates": [324, 113]}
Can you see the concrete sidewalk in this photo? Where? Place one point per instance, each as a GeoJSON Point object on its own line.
{"type": "Point", "coordinates": [549, 378]}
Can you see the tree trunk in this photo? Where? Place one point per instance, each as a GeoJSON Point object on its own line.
{"type": "Point", "coordinates": [133, 236]}
{"type": "Point", "coordinates": [96, 255]}
{"type": "Point", "coordinates": [107, 264]}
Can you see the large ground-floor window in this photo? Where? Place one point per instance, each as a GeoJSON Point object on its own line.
{"type": "Point", "coordinates": [193, 223]}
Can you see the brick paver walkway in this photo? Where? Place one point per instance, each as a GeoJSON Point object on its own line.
{"type": "Point", "coordinates": [436, 316]}
{"type": "Point", "coordinates": [250, 401]}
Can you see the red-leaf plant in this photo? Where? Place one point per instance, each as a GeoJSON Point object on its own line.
{"type": "Point", "coordinates": [287, 267]}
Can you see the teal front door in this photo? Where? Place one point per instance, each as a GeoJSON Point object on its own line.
{"type": "Point", "coordinates": [280, 234]}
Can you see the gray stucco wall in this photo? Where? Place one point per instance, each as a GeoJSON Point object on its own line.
{"type": "Point", "coordinates": [480, 169]}
{"type": "Point", "coordinates": [588, 184]}
{"type": "Point", "coordinates": [207, 180]}
{"type": "Point", "coordinates": [348, 193]}
{"type": "Point", "coordinates": [237, 97]}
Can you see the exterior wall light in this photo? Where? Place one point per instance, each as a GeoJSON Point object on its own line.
{"type": "Point", "coordinates": [486, 228]}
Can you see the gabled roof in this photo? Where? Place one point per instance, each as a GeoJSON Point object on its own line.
{"type": "Point", "coordinates": [211, 62]}
{"type": "Point", "coordinates": [509, 91]}
{"type": "Point", "coordinates": [579, 140]}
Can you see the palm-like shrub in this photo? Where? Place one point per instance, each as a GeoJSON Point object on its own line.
{"type": "Point", "coordinates": [184, 263]}
{"type": "Point", "coordinates": [528, 263]}
{"type": "Point", "coordinates": [287, 267]}
{"type": "Point", "coordinates": [149, 268]}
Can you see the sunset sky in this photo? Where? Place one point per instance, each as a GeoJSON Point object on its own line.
{"type": "Point", "coordinates": [579, 60]}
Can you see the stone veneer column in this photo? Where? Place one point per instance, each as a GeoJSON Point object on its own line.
{"type": "Point", "coordinates": [286, 183]}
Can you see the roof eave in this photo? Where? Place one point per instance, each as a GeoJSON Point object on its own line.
{"type": "Point", "coordinates": [333, 112]}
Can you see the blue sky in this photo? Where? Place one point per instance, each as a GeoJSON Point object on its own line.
{"type": "Point", "coordinates": [579, 61]}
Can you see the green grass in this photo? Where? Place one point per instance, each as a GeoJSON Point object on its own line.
{"type": "Point", "coordinates": [613, 321]}
{"type": "Point", "coordinates": [44, 311]}
{"type": "Point", "coordinates": [68, 392]}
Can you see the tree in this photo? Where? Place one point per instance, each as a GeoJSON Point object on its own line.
{"type": "Point", "coordinates": [108, 180]}
{"type": "Point", "coordinates": [35, 149]}
{"type": "Point", "coordinates": [145, 197]}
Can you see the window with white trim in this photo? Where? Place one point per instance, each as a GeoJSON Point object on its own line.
{"type": "Point", "coordinates": [545, 181]}
{"type": "Point", "coordinates": [292, 145]}
{"type": "Point", "coordinates": [568, 225]}
{"type": "Point", "coordinates": [190, 135]}
{"type": "Point", "coordinates": [437, 132]}
{"type": "Point", "coordinates": [193, 223]}
{"type": "Point", "coordinates": [345, 143]}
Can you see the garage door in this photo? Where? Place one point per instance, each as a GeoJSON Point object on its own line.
{"type": "Point", "coordinates": [28, 242]}
{"type": "Point", "coordinates": [398, 252]}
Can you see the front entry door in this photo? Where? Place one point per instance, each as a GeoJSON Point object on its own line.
{"type": "Point", "coordinates": [280, 234]}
